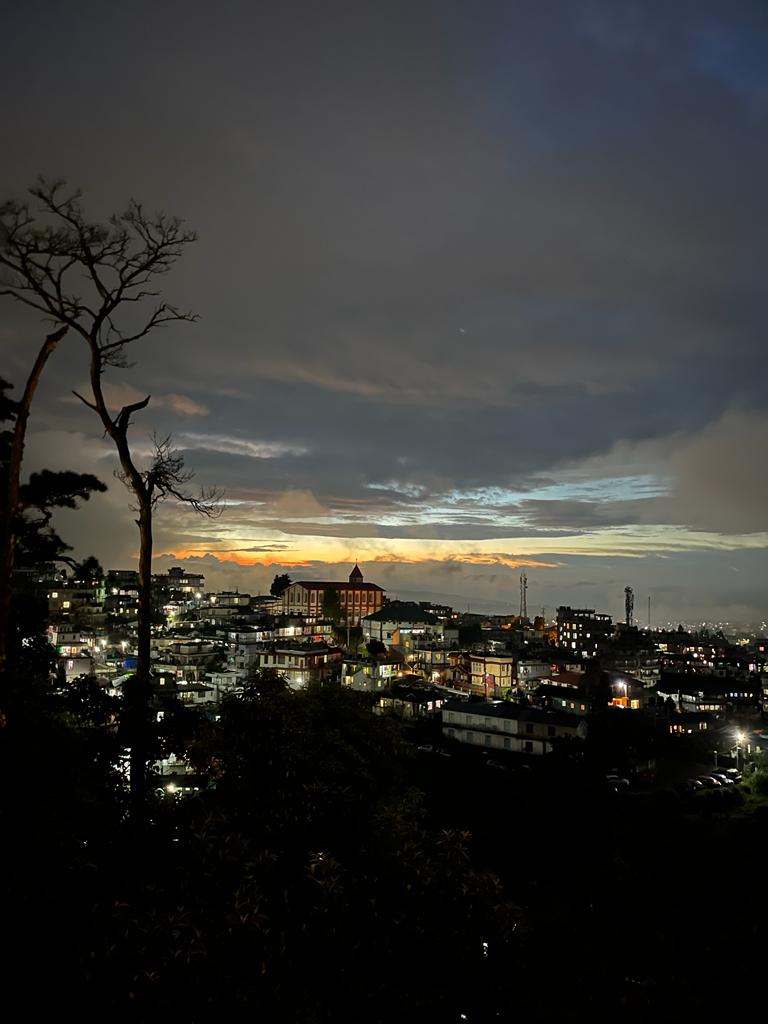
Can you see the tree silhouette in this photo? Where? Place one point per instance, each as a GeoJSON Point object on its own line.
{"type": "Point", "coordinates": [280, 583]}
{"type": "Point", "coordinates": [47, 255]}
{"type": "Point", "coordinates": [28, 540]}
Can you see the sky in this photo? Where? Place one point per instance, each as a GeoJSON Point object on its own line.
{"type": "Point", "coordinates": [481, 289]}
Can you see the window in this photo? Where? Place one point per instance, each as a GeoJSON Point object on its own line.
{"type": "Point", "coordinates": [550, 730]}
{"type": "Point", "coordinates": [528, 747]}
{"type": "Point", "coordinates": [507, 742]}
{"type": "Point", "coordinates": [528, 727]}
{"type": "Point", "coordinates": [487, 740]}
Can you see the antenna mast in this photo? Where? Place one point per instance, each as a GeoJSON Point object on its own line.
{"type": "Point", "coordinates": [629, 605]}
{"type": "Point", "coordinates": [523, 597]}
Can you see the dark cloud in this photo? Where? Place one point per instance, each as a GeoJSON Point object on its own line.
{"type": "Point", "coordinates": [445, 251]}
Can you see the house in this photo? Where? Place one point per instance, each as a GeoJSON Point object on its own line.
{"type": "Point", "coordinates": [401, 624]}
{"type": "Point", "coordinates": [699, 691]}
{"type": "Point", "coordinates": [69, 641]}
{"type": "Point", "coordinates": [227, 681]}
{"type": "Point", "coordinates": [410, 697]}
{"type": "Point", "coordinates": [356, 598]}
{"type": "Point", "coordinates": [369, 674]}
{"type": "Point", "coordinates": [502, 725]}
{"type": "Point", "coordinates": [492, 675]}
{"type": "Point", "coordinates": [568, 699]}
{"type": "Point", "coordinates": [189, 691]}
{"type": "Point", "coordinates": [189, 583]}
{"type": "Point", "coordinates": [530, 671]}
{"type": "Point", "coordinates": [686, 722]}
{"type": "Point", "coordinates": [77, 666]}
{"type": "Point", "coordinates": [302, 662]}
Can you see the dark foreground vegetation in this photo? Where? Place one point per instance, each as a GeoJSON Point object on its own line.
{"type": "Point", "coordinates": [326, 871]}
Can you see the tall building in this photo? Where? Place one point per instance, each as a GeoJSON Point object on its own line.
{"type": "Point", "coordinates": [356, 598]}
{"type": "Point", "coordinates": [582, 630]}
{"type": "Point", "coordinates": [179, 579]}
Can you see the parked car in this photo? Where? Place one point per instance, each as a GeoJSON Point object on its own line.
{"type": "Point", "coordinates": [617, 782]}
{"type": "Point", "coordinates": [690, 785]}
{"type": "Point", "coordinates": [710, 782]}
{"type": "Point", "coordinates": [723, 778]}
{"type": "Point", "coordinates": [734, 773]}
{"type": "Point", "coordinates": [490, 763]}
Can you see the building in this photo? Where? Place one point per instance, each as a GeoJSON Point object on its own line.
{"type": "Point", "coordinates": [569, 699]}
{"type": "Point", "coordinates": [370, 674]}
{"type": "Point", "coordinates": [190, 583]}
{"type": "Point", "coordinates": [531, 671]}
{"type": "Point", "coordinates": [410, 697]}
{"type": "Point", "coordinates": [401, 624]}
{"type": "Point", "coordinates": [355, 599]}
{"type": "Point", "coordinates": [492, 675]}
{"type": "Point", "coordinates": [582, 630]}
{"type": "Point", "coordinates": [501, 725]}
{"type": "Point", "coordinates": [302, 662]}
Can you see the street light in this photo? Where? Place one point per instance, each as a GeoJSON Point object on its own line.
{"type": "Point", "coordinates": [740, 738]}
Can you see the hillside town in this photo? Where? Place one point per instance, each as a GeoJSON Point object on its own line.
{"type": "Point", "coordinates": [502, 684]}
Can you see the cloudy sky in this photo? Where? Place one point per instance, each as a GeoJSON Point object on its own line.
{"type": "Point", "coordinates": [481, 287]}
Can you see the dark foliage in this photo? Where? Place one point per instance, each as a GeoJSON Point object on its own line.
{"type": "Point", "coordinates": [280, 583]}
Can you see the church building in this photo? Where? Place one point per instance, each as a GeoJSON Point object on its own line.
{"type": "Point", "coordinates": [356, 598]}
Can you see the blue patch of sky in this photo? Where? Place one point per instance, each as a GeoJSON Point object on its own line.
{"type": "Point", "coordinates": [737, 57]}
{"type": "Point", "coordinates": [625, 488]}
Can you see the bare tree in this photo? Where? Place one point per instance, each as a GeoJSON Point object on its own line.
{"type": "Point", "coordinates": [49, 256]}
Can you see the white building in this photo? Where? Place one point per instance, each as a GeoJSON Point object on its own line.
{"type": "Point", "coordinates": [402, 624]}
{"type": "Point", "coordinates": [501, 725]}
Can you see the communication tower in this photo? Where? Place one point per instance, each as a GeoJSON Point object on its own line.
{"type": "Point", "coordinates": [629, 605]}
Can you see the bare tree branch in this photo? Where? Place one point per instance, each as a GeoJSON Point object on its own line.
{"type": "Point", "coordinates": [96, 279]}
